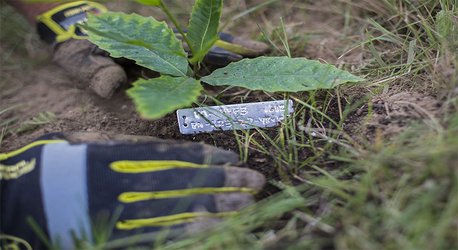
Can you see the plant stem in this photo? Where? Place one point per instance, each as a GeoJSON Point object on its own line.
{"type": "Point", "coordinates": [177, 25]}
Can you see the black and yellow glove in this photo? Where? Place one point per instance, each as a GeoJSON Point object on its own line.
{"type": "Point", "coordinates": [89, 65]}
{"type": "Point", "coordinates": [58, 24]}
{"type": "Point", "coordinates": [69, 183]}
{"type": "Point", "coordinates": [82, 60]}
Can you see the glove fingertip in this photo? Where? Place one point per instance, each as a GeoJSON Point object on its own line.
{"type": "Point", "coordinates": [107, 80]}
{"type": "Point", "coordinates": [256, 48]}
{"type": "Point", "coordinates": [244, 177]}
{"type": "Point", "coordinates": [233, 201]}
{"type": "Point", "coordinates": [217, 156]}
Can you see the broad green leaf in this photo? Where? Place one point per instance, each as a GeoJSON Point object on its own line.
{"type": "Point", "coordinates": [203, 27]}
{"type": "Point", "coordinates": [280, 74]}
{"type": "Point", "coordinates": [150, 43]}
{"type": "Point", "coordinates": [156, 97]}
{"type": "Point", "coordinates": [149, 2]}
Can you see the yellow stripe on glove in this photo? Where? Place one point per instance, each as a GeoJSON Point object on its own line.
{"type": "Point", "coordinates": [27, 147]}
{"type": "Point", "coordinates": [129, 197]}
{"type": "Point", "coordinates": [135, 167]}
{"type": "Point", "coordinates": [168, 220]}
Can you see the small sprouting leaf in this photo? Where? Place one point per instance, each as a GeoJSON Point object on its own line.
{"type": "Point", "coordinates": [156, 97]}
{"type": "Point", "coordinates": [149, 2]}
{"type": "Point", "coordinates": [280, 74]}
{"type": "Point", "coordinates": [41, 119]}
{"type": "Point", "coordinates": [203, 27]}
{"type": "Point", "coordinates": [150, 43]}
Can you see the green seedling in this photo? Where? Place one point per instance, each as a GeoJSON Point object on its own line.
{"type": "Point", "coordinates": [10, 122]}
{"type": "Point", "coordinates": [39, 120]}
{"type": "Point", "coordinates": [154, 45]}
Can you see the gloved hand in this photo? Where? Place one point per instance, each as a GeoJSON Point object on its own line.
{"type": "Point", "coordinates": [91, 66]}
{"type": "Point", "coordinates": [75, 182]}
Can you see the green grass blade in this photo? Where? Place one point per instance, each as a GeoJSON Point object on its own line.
{"type": "Point", "coordinates": [156, 3]}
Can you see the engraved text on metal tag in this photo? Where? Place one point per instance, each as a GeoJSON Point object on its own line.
{"type": "Point", "coordinates": [236, 116]}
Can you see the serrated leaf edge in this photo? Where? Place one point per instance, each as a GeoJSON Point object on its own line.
{"type": "Point", "coordinates": [200, 55]}
{"type": "Point", "coordinates": [356, 78]}
{"type": "Point", "coordinates": [129, 41]}
{"type": "Point", "coordinates": [142, 107]}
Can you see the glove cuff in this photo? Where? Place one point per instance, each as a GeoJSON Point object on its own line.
{"type": "Point", "coordinates": [58, 24]}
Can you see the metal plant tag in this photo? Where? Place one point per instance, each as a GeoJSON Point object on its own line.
{"type": "Point", "coordinates": [235, 116]}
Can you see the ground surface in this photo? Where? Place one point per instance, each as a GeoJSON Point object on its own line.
{"type": "Point", "coordinates": [375, 112]}
{"type": "Point", "coordinates": [44, 87]}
